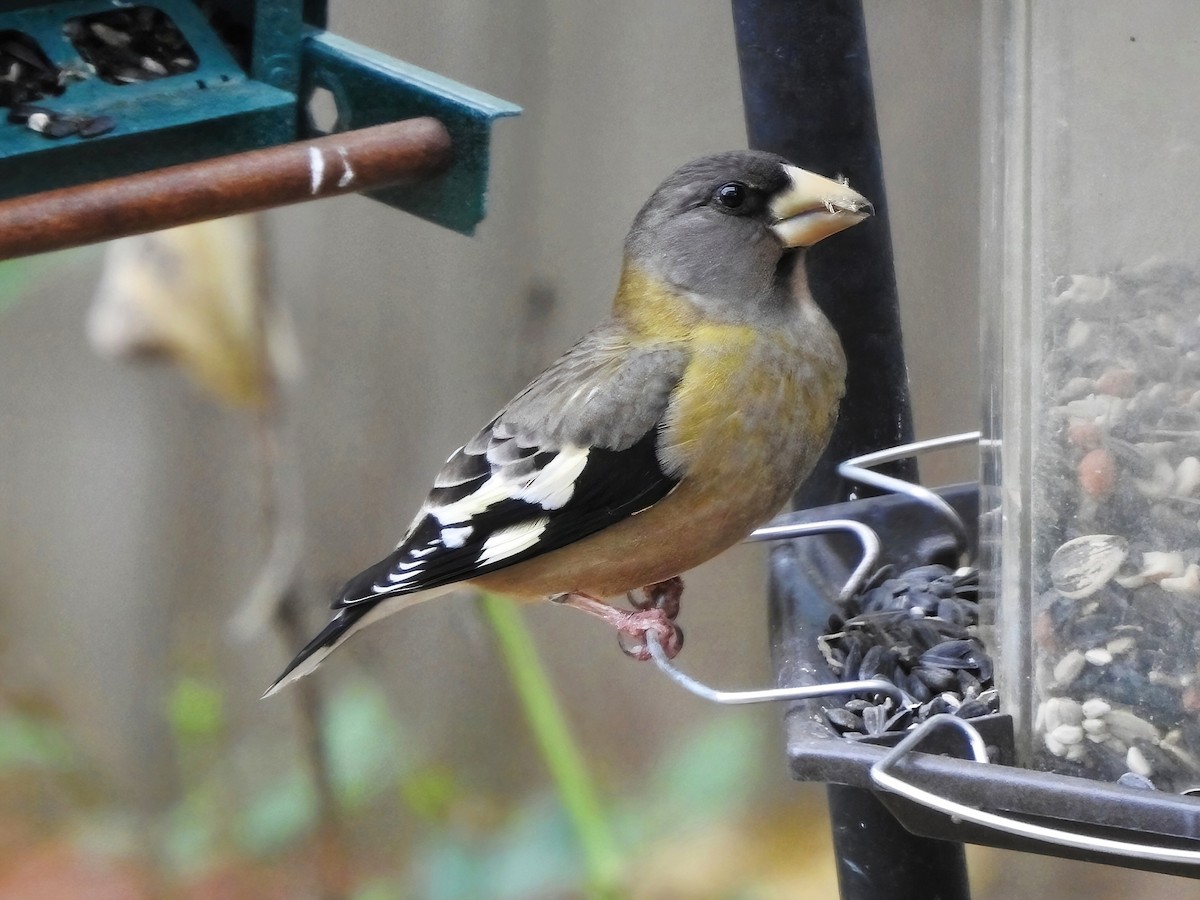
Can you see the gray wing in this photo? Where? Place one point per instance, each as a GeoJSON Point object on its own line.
{"type": "Point", "coordinates": [573, 453]}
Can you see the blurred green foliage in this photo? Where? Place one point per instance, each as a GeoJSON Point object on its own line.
{"type": "Point", "coordinates": [28, 741]}
{"type": "Point", "coordinates": [194, 711]}
{"type": "Point", "coordinates": [14, 278]}
{"type": "Point", "coordinates": [276, 815]}
{"type": "Point", "coordinates": [364, 745]}
{"type": "Point", "coordinates": [17, 275]}
{"type": "Point", "coordinates": [446, 851]}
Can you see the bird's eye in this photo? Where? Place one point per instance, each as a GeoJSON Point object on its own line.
{"type": "Point", "coordinates": [732, 195]}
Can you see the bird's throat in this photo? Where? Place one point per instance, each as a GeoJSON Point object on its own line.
{"type": "Point", "coordinates": [652, 308]}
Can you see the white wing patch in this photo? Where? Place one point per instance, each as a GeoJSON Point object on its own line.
{"type": "Point", "coordinates": [550, 488]}
{"type": "Point", "coordinates": [511, 541]}
{"type": "Point", "coordinates": [455, 537]}
{"type": "Point", "coordinates": [488, 494]}
{"type": "Point", "coordinates": [553, 486]}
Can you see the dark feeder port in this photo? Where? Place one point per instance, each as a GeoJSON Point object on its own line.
{"type": "Point", "coordinates": [128, 46]}
{"type": "Point", "coordinates": [26, 73]}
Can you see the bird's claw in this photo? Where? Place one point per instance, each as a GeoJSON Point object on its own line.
{"type": "Point", "coordinates": [664, 595]}
{"type": "Point", "coordinates": [634, 633]}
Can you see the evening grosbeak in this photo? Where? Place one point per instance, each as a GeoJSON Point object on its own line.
{"type": "Point", "coordinates": [663, 437]}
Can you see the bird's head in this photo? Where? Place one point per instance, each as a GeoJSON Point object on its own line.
{"type": "Point", "coordinates": [723, 226]}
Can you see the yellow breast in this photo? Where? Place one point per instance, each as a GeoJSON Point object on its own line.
{"type": "Point", "coordinates": [755, 408]}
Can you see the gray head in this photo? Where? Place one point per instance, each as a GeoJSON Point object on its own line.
{"type": "Point", "coordinates": [721, 226]}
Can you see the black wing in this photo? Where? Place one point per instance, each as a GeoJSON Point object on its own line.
{"type": "Point", "coordinates": [575, 452]}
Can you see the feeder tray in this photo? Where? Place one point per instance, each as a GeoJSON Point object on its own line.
{"type": "Point", "coordinates": [806, 572]}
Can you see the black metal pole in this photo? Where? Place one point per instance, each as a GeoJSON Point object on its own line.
{"type": "Point", "coordinates": [878, 859]}
{"type": "Point", "coordinates": [806, 85]}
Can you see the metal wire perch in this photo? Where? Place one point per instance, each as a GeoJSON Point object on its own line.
{"type": "Point", "coordinates": [869, 541]}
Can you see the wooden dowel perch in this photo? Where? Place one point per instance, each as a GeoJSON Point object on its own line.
{"type": "Point", "coordinates": [341, 163]}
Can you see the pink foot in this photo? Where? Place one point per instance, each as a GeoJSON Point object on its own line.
{"type": "Point", "coordinates": [634, 627]}
{"type": "Point", "coordinates": [634, 634]}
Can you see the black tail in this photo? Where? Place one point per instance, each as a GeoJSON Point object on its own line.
{"type": "Point", "coordinates": [341, 626]}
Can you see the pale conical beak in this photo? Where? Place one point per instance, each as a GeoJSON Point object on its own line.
{"type": "Point", "coordinates": [814, 207]}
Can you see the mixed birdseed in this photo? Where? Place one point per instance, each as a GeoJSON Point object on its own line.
{"type": "Point", "coordinates": [1116, 549]}
{"type": "Point", "coordinates": [918, 630]}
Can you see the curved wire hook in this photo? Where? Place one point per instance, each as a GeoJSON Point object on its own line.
{"type": "Point", "coordinates": [869, 542]}
{"type": "Point", "coordinates": [867, 538]}
{"type": "Point", "coordinates": [858, 469]}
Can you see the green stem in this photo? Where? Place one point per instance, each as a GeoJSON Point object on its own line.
{"type": "Point", "coordinates": [601, 857]}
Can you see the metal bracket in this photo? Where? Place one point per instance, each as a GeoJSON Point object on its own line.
{"type": "Point", "coordinates": [371, 88]}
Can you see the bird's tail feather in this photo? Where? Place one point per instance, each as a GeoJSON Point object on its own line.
{"type": "Point", "coordinates": [316, 650]}
{"type": "Point", "coordinates": [345, 622]}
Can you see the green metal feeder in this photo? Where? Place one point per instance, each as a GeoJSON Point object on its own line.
{"type": "Point", "coordinates": [86, 101]}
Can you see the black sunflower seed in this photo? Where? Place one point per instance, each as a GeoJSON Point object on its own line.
{"type": "Point", "coordinates": [843, 720]}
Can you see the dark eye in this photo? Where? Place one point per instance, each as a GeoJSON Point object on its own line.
{"type": "Point", "coordinates": [731, 195]}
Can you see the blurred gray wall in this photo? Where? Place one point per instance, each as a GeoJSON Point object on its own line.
{"type": "Point", "coordinates": [129, 507]}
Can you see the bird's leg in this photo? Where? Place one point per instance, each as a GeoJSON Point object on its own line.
{"type": "Point", "coordinates": [632, 626]}
{"type": "Point", "coordinates": [664, 595]}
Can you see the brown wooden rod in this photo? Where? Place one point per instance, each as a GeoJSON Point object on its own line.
{"type": "Point", "coordinates": [341, 163]}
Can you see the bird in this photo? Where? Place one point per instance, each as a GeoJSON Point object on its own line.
{"type": "Point", "coordinates": [662, 437]}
